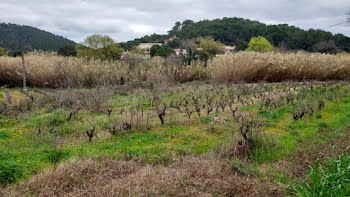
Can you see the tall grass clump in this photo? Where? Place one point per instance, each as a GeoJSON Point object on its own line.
{"type": "Point", "coordinates": [10, 171]}
{"type": "Point", "coordinates": [333, 179]}
{"type": "Point", "coordinates": [277, 67]}
{"type": "Point", "coordinates": [53, 71]}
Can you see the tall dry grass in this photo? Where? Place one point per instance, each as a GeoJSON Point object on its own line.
{"type": "Point", "coordinates": [52, 71]}
{"type": "Point", "coordinates": [276, 67]}
{"type": "Point", "coordinates": [189, 176]}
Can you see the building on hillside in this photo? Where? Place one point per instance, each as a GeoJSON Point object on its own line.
{"type": "Point", "coordinates": [147, 54]}
{"type": "Point", "coordinates": [229, 49]}
{"type": "Point", "coordinates": [147, 46]}
{"type": "Point", "coordinates": [127, 56]}
{"type": "Point", "coordinates": [180, 51]}
{"type": "Point", "coordinates": [170, 39]}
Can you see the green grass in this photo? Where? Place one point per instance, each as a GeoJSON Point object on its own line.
{"type": "Point", "coordinates": [331, 179]}
{"type": "Point", "coordinates": [172, 140]}
{"type": "Point", "coordinates": [27, 152]}
{"type": "Point", "coordinates": [296, 134]}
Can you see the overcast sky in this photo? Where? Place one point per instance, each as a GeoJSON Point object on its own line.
{"type": "Point", "coordinates": [128, 19]}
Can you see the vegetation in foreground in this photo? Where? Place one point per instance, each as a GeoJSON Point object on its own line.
{"type": "Point", "coordinates": [188, 135]}
{"type": "Point", "coordinates": [332, 179]}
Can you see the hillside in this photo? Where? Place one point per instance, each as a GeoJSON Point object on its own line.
{"type": "Point", "coordinates": [13, 37]}
{"type": "Point", "coordinates": [238, 31]}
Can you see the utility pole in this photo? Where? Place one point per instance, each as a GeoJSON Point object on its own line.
{"type": "Point", "coordinates": [24, 73]}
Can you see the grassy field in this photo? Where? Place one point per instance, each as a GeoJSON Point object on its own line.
{"type": "Point", "coordinates": [216, 140]}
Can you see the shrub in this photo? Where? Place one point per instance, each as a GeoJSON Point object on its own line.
{"type": "Point", "coordinates": [239, 166]}
{"type": "Point", "coordinates": [4, 135]}
{"type": "Point", "coordinates": [3, 51]}
{"type": "Point", "coordinates": [322, 125]}
{"type": "Point", "coordinates": [207, 120]}
{"type": "Point", "coordinates": [200, 74]}
{"type": "Point", "coordinates": [10, 171]}
{"type": "Point", "coordinates": [259, 44]}
{"type": "Point", "coordinates": [68, 50]}
{"type": "Point", "coordinates": [162, 51]}
{"type": "Point", "coordinates": [56, 155]}
{"type": "Point", "coordinates": [99, 47]}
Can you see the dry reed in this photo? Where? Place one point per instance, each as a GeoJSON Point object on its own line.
{"type": "Point", "coordinates": [277, 67]}
{"type": "Point", "coordinates": [52, 71]}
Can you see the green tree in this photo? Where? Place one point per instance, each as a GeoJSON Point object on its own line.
{"type": "Point", "coordinates": [14, 37]}
{"type": "Point", "coordinates": [99, 47]}
{"type": "Point", "coordinates": [68, 50]}
{"type": "Point", "coordinates": [327, 47]}
{"type": "Point", "coordinates": [207, 48]}
{"type": "Point", "coordinates": [175, 29]}
{"type": "Point", "coordinates": [174, 43]}
{"type": "Point", "coordinates": [238, 32]}
{"type": "Point", "coordinates": [162, 51]}
{"type": "Point", "coordinates": [191, 56]}
{"type": "Point", "coordinates": [3, 51]}
{"type": "Point", "coordinates": [259, 44]}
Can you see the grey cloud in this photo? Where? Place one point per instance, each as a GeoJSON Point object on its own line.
{"type": "Point", "coordinates": [125, 20]}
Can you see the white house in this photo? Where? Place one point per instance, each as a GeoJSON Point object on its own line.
{"type": "Point", "coordinates": [180, 51]}
{"type": "Point", "coordinates": [229, 49]}
{"type": "Point", "coordinates": [148, 46]}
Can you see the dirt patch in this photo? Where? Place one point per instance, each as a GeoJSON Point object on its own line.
{"type": "Point", "coordinates": [74, 176]}
{"type": "Point", "coordinates": [3, 192]}
{"type": "Point", "coordinates": [186, 177]}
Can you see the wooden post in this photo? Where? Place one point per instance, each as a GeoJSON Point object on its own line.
{"type": "Point", "coordinates": [24, 73]}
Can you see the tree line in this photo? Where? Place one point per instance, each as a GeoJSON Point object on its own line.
{"type": "Point", "coordinates": [14, 37]}
{"type": "Point", "coordinates": [238, 32]}
{"type": "Point", "coordinates": [209, 36]}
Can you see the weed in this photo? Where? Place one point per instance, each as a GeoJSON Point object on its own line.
{"type": "Point", "coordinates": [239, 166]}
{"type": "Point", "coordinates": [90, 133]}
{"type": "Point", "coordinates": [332, 179]}
{"type": "Point", "coordinates": [56, 155]}
{"type": "Point", "coordinates": [10, 170]}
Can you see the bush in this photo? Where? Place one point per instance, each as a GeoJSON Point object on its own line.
{"type": "Point", "coordinates": [332, 179]}
{"type": "Point", "coordinates": [162, 51]}
{"type": "Point", "coordinates": [10, 171]}
{"type": "Point", "coordinates": [207, 120]}
{"type": "Point", "coordinates": [55, 156]}
{"type": "Point", "coordinates": [68, 50]}
{"type": "Point", "coordinates": [3, 51]}
{"type": "Point", "coordinates": [3, 134]}
{"type": "Point", "coordinates": [259, 44]}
